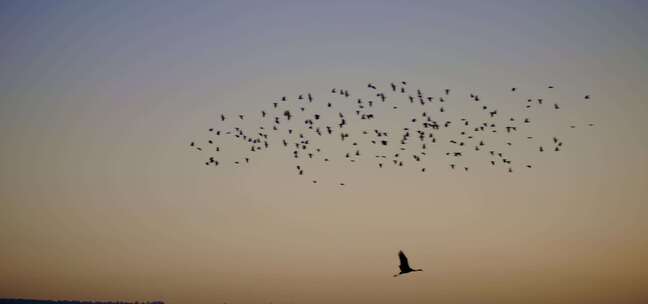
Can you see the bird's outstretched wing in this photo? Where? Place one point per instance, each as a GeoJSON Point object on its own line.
{"type": "Point", "coordinates": [404, 265]}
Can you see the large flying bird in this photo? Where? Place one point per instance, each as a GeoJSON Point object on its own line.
{"type": "Point", "coordinates": [404, 265]}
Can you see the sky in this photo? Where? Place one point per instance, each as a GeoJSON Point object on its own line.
{"type": "Point", "coordinates": [102, 199]}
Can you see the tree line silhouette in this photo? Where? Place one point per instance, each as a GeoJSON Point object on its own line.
{"type": "Point", "coordinates": [32, 301]}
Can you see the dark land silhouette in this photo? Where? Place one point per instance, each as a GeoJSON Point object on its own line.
{"type": "Point", "coordinates": [33, 301]}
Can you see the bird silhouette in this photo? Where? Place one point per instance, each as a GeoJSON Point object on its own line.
{"type": "Point", "coordinates": [404, 265]}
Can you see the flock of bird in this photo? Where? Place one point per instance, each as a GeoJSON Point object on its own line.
{"type": "Point", "coordinates": [297, 127]}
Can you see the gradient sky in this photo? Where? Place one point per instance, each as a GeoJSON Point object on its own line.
{"type": "Point", "coordinates": [101, 199]}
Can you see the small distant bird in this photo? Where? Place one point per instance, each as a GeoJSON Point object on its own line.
{"type": "Point", "coordinates": [404, 265]}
